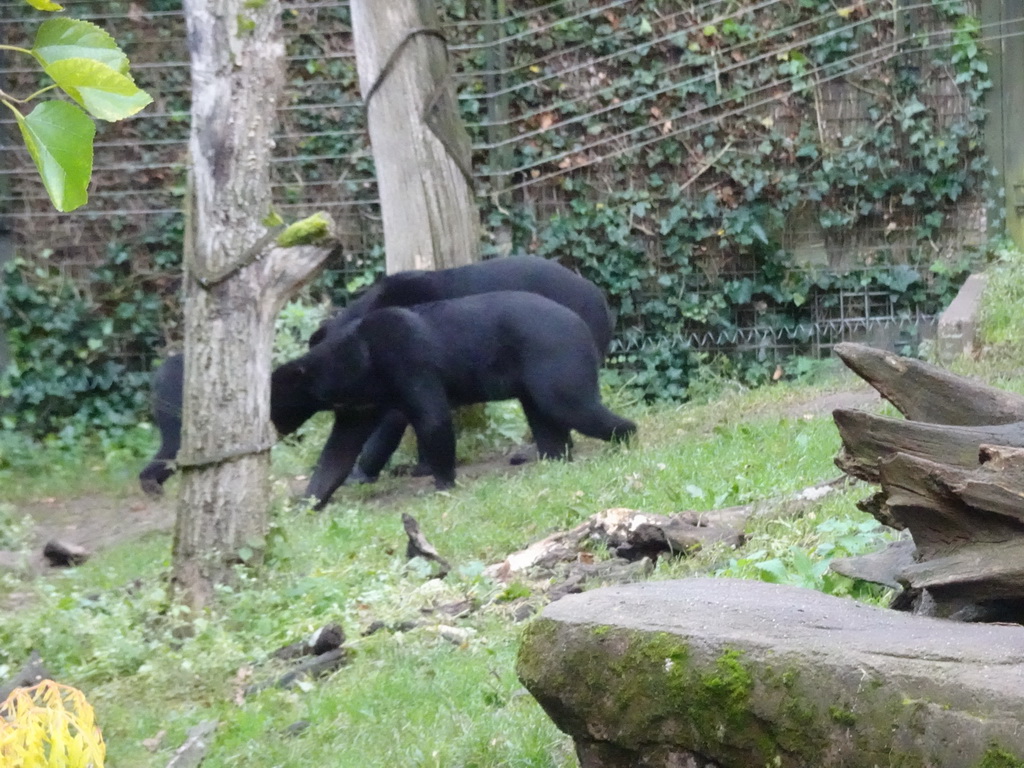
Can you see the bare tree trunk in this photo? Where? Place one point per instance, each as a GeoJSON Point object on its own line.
{"type": "Point", "coordinates": [236, 279]}
{"type": "Point", "coordinates": [420, 147]}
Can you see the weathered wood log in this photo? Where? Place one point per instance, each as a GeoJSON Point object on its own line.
{"type": "Point", "coordinates": [924, 392]}
{"type": "Point", "coordinates": [956, 484]}
{"type": "Point", "coordinates": [316, 666]}
{"type": "Point", "coordinates": [327, 638]}
{"type": "Point", "coordinates": [631, 534]}
{"type": "Point", "coordinates": [742, 673]}
{"type": "Point", "coordinates": [968, 526]}
{"type": "Point", "coordinates": [64, 554]}
{"type": "Point", "coordinates": [868, 439]}
{"type": "Point", "coordinates": [879, 567]}
{"type": "Point", "coordinates": [615, 571]}
{"type": "Point", "coordinates": [32, 673]}
{"type": "Point", "coordinates": [946, 507]}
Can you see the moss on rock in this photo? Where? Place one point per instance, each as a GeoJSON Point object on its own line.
{"type": "Point", "coordinates": [996, 757]}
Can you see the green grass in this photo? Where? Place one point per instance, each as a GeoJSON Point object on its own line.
{"type": "Point", "coordinates": [414, 697]}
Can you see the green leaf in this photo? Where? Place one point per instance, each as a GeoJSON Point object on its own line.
{"type": "Point", "coordinates": [44, 5]}
{"type": "Point", "coordinates": [773, 571]}
{"type": "Point", "coordinates": [59, 39]}
{"type": "Point", "coordinates": [104, 93]}
{"type": "Point", "coordinates": [59, 137]}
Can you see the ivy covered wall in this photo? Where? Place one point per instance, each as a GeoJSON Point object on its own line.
{"type": "Point", "coordinates": [739, 177]}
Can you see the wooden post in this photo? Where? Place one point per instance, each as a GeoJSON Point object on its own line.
{"type": "Point", "coordinates": [6, 230]}
{"type": "Point", "coordinates": [1004, 132]}
{"type": "Point", "coordinates": [236, 279]}
{"type": "Point", "coordinates": [420, 147]}
{"type": "Point", "coordinates": [498, 104]}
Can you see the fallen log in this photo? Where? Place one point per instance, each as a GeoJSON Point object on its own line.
{"type": "Point", "coordinates": [418, 546]}
{"type": "Point", "coordinates": [630, 534]}
{"type": "Point", "coordinates": [953, 475]}
{"type": "Point", "coordinates": [868, 439]}
{"type": "Point", "coordinates": [924, 392]}
{"type": "Point", "coordinates": [878, 567]}
{"type": "Point", "coordinates": [740, 673]}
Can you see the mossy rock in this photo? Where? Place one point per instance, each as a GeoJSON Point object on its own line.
{"type": "Point", "coordinates": [750, 674]}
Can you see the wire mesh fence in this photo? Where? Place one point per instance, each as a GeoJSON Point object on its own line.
{"type": "Point", "coordinates": [502, 65]}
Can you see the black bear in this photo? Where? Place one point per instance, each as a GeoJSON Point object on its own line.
{"type": "Point", "coordinates": [533, 274]}
{"type": "Point", "coordinates": [524, 273]}
{"type": "Point", "coordinates": [165, 404]}
{"type": "Point", "coordinates": [517, 273]}
{"type": "Point", "coordinates": [424, 359]}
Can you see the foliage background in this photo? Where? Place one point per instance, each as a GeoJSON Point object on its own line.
{"type": "Point", "coordinates": [750, 178]}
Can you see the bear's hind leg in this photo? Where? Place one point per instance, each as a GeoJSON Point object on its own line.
{"type": "Point", "coordinates": [552, 438]}
{"type": "Point", "coordinates": [566, 391]}
{"type": "Point", "coordinates": [594, 420]}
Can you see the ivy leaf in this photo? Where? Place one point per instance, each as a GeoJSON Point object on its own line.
{"type": "Point", "coordinates": [773, 571]}
{"type": "Point", "coordinates": [59, 137]}
{"type": "Point", "coordinates": [913, 107]}
{"type": "Point", "coordinates": [104, 92]}
{"type": "Point", "coordinates": [44, 5]}
{"type": "Point", "coordinates": [59, 39]}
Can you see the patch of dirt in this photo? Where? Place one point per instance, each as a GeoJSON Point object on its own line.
{"type": "Point", "coordinates": [98, 521]}
{"type": "Point", "coordinates": [864, 397]}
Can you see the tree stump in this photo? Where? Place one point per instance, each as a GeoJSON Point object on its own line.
{"type": "Point", "coordinates": [952, 474]}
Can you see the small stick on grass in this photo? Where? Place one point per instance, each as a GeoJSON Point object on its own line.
{"type": "Point", "coordinates": [418, 545]}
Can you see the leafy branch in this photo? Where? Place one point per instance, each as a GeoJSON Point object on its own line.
{"type": "Point", "coordinates": [88, 66]}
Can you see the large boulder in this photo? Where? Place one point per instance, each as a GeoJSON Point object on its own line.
{"type": "Point", "coordinates": [743, 674]}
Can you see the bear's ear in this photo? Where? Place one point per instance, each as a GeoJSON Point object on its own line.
{"type": "Point", "coordinates": [289, 373]}
{"type": "Point", "coordinates": [403, 289]}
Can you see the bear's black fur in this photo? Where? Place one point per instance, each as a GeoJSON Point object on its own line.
{"type": "Point", "coordinates": [532, 274]}
{"type": "Point", "coordinates": [524, 273]}
{"type": "Point", "coordinates": [424, 359]}
{"type": "Point", "coordinates": [515, 273]}
{"type": "Point", "coordinates": [165, 403]}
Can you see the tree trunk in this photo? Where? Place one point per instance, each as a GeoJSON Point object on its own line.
{"type": "Point", "coordinates": [955, 484]}
{"type": "Point", "coordinates": [236, 279]}
{"type": "Point", "coordinates": [420, 148]}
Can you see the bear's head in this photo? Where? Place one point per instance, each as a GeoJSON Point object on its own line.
{"type": "Point", "coordinates": [332, 374]}
{"type": "Point", "coordinates": [291, 398]}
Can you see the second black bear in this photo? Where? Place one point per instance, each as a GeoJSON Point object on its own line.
{"type": "Point", "coordinates": [523, 273]}
{"type": "Point", "coordinates": [165, 403]}
{"type": "Point", "coordinates": [533, 274]}
{"type": "Point", "coordinates": [424, 359]}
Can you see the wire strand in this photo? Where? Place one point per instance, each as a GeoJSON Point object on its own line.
{"type": "Point", "coordinates": [678, 131]}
